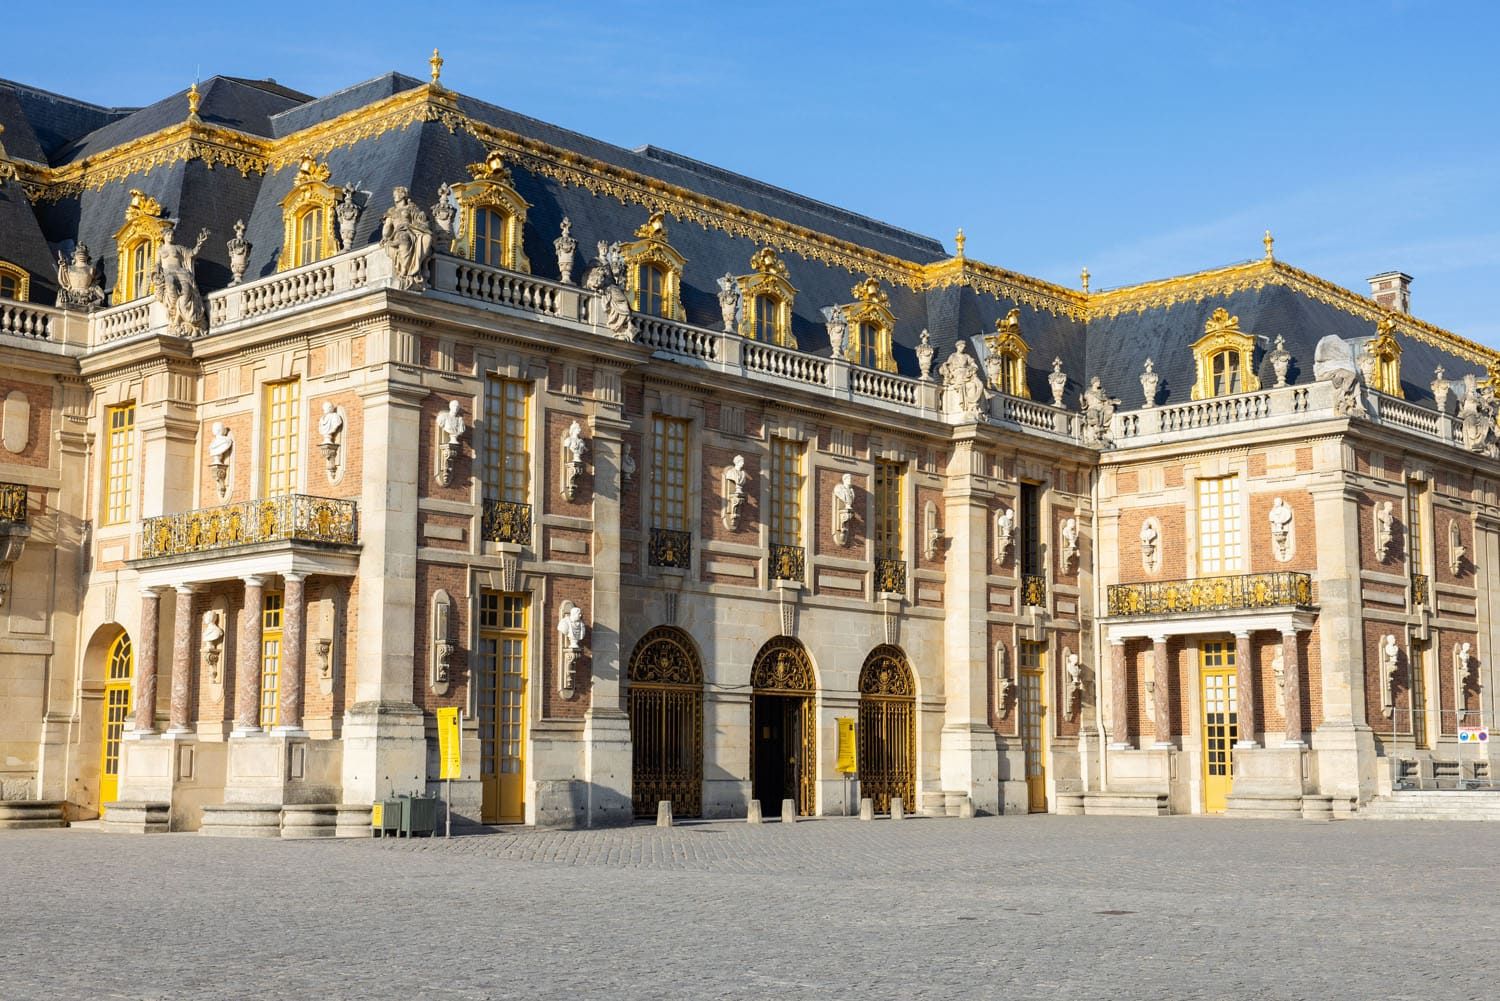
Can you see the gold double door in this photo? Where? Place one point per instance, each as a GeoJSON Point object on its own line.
{"type": "Point", "coordinates": [501, 701]}
{"type": "Point", "coordinates": [119, 666]}
{"type": "Point", "coordinates": [1220, 721]}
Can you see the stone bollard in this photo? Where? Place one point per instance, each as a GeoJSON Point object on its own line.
{"type": "Point", "coordinates": [789, 811]}
{"type": "Point", "coordinates": [898, 808]}
{"type": "Point", "coordinates": [867, 809]}
{"type": "Point", "coordinates": [966, 808]}
{"type": "Point", "coordinates": [752, 816]}
{"type": "Point", "coordinates": [664, 813]}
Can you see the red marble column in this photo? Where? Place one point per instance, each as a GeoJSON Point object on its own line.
{"type": "Point", "coordinates": [145, 662]}
{"type": "Point", "coordinates": [1119, 694]}
{"type": "Point", "coordinates": [1291, 686]}
{"type": "Point", "coordinates": [293, 651]}
{"type": "Point", "coordinates": [247, 659]}
{"type": "Point", "coordinates": [1162, 697]}
{"type": "Point", "coordinates": [1244, 683]}
{"type": "Point", "coordinates": [182, 659]}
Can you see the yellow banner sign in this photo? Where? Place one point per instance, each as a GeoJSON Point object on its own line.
{"type": "Point", "coordinates": [847, 759]}
{"type": "Point", "coordinates": [449, 754]}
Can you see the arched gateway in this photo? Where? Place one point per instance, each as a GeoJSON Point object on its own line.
{"type": "Point", "coordinates": [666, 723]}
{"type": "Point", "coordinates": [783, 727]}
{"type": "Point", "coordinates": [887, 728]}
{"type": "Point", "coordinates": [119, 668]}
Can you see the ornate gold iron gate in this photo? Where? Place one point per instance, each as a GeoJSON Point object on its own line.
{"type": "Point", "coordinates": [783, 684]}
{"type": "Point", "coordinates": [887, 728]}
{"type": "Point", "coordinates": [666, 723]}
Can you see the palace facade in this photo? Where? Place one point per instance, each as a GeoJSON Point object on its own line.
{"type": "Point", "coordinates": [321, 414]}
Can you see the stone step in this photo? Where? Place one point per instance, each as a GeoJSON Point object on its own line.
{"type": "Point", "coordinates": [26, 814]}
{"type": "Point", "coordinates": [1125, 804]}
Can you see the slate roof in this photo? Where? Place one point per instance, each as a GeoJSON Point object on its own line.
{"type": "Point", "coordinates": [58, 130]}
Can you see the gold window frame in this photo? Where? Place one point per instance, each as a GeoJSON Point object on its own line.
{"type": "Point", "coordinates": [22, 278]}
{"type": "Point", "coordinates": [507, 441]}
{"type": "Point", "coordinates": [651, 248]}
{"type": "Point", "coordinates": [670, 437]}
{"type": "Point", "coordinates": [787, 478]}
{"type": "Point", "coordinates": [282, 435]}
{"type": "Point", "coordinates": [119, 456]}
{"type": "Point", "coordinates": [1011, 348]}
{"type": "Point", "coordinates": [768, 279]}
{"type": "Point", "coordinates": [871, 310]}
{"type": "Point", "coordinates": [492, 188]}
{"type": "Point", "coordinates": [1386, 351]}
{"type": "Point", "coordinates": [144, 225]}
{"type": "Point", "coordinates": [310, 193]}
{"type": "Point", "coordinates": [1220, 334]}
{"type": "Point", "coordinates": [889, 488]}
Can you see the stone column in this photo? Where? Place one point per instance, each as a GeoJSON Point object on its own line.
{"type": "Point", "coordinates": [1244, 683]}
{"type": "Point", "coordinates": [293, 652]}
{"type": "Point", "coordinates": [182, 660]}
{"type": "Point", "coordinates": [145, 662]}
{"type": "Point", "coordinates": [1162, 697]}
{"type": "Point", "coordinates": [1119, 695]}
{"type": "Point", "coordinates": [1291, 688]}
{"type": "Point", "coordinates": [247, 660]}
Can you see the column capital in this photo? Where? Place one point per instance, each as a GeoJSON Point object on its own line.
{"type": "Point", "coordinates": [1117, 641]}
{"type": "Point", "coordinates": [185, 588]}
{"type": "Point", "coordinates": [1242, 634]}
{"type": "Point", "coordinates": [1160, 638]}
{"type": "Point", "coordinates": [153, 592]}
{"type": "Point", "coordinates": [255, 580]}
{"type": "Point", "coordinates": [293, 577]}
{"type": "Point", "coordinates": [1291, 634]}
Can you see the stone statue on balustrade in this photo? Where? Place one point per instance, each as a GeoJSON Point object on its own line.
{"type": "Point", "coordinates": [444, 212]}
{"type": "Point", "coordinates": [963, 389]}
{"type": "Point", "coordinates": [1098, 409]}
{"type": "Point", "coordinates": [80, 283]}
{"type": "Point", "coordinates": [606, 278]}
{"type": "Point", "coordinates": [347, 213]}
{"type": "Point", "coordinates": [1334, 362]}
{"type": "Point", "coordinates": [566, 247]}
{"type": "Point", "coordinates": [729, 302]}
{"type": "Point", "coordinates": [177, 287]}
{"type": "Point", "coordinates": [239, 253]}
{"type": "Point", "coordinates": [925, 352]}
{"type": "Point", "coordinates": [406, 235]}
{"type": "Point", "coordinates": [1057, 380]}
{"type": "Point", "coordinates": [837, 326]}
{"type": "Point", "coordinates": [1476, 417]}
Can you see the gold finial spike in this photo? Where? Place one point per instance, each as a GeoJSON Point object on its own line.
{"type": "Point", "coordinates": [959, 242]}
{"type": "Point", "coordinates": [1269, 241]}
{"type": "Point", "coordinates": [1084, 275]}
{"type": "Point", "coordinates": [194, 99]}
{"type": "Point", "coordinates": [436, 62]}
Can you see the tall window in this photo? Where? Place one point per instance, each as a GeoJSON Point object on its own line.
{"type": "Point", "coordinates": [283, 412]}
{"type": "Point", "coordinates": [509, 462]}
{"type": "Point", "coordinates": [1226, 373]}
{"type": "Point", "coordinates": [138, 278]}
{"type": "Point", "coordinates": [13, 282]}
{"type": "Point", "coordinates": [309, 237]}
{"type": "Point", "coordinates": [490, 237]}
{"type": "Point", "coordinates": [669, 473]}
{"type": "Point", "coordinates": [651, 287]}
{"type": "Point", "coordinates": [1219, 548]}
{"type": "Point", "coordinates": [867, 346]}
{"type": "Point", "coordinates": [1415, 554]}
{"type": "Point", "coordinates": [888, 490]}
{"type": "Point", "coordinates": [119, 425]}
{"type": "Point", "coordinates": [767, 309]}
{"type": "Point", "coordinates": [786, 492]}
{"type": "Point", "coordinates": [1031, 529]}
{"type": "Point", "coordinates": [270, 658]}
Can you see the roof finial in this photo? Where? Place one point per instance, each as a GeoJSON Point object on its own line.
{"type": "Point", "coordinates": [959, 242]}
{"type": "Point", "coordinates": [194, 99]}
{"type": "Point", "coordinates": [1269, 241]}
{"type": "Point", "coordinates": [1084, 276]}
{"type": "Point", "coordinates": [436, 62]}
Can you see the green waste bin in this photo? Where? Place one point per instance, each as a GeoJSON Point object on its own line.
{"type": "Point", "coordinates": [386, 817]}
{"type": "Point", "coordinates": [418, 815]}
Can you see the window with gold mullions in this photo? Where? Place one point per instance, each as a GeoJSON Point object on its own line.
{"type": "Point", "coordinates": [1219, 544]}
{"type": "Point", "coordinates": [309, 237]}
{"type": "Point", "coordinates": [282, 421]}
{"type": "Point", "coordinates": [669, 473]}
{"type": "Point", "coordinates": [119, 425]}
{"type": "Point", "coordinates": [508, 459]}
{"type": "Point", "coordinates": [270, 658]}
{"type": "Point", "coordinates": [888, 490]}
{"type": "Point", "coordinates": [786, 492]}
{"type": "Point", "coordinates": [650, 287]}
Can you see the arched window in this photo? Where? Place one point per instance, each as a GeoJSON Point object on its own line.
{"type": "Point", "coordinates": [137, 242]}
{"type": "Point", "coordinates": [870, 325]}
{"type": "Point", "coordinates": [492, 217]}
{"type": "Point", "coordinates": [310, 236]}
{"type": "Point", "coordinates": [1225, 366]}
{"type": "Point", "coordinates": [768, 300]}
{"type": "Point", "coordinates": [1224, 357]}
{"type": "Point", "coordinates": [1006, 362]}
{"type": "Point", "coordinates": [491, 229]}
{"type": "Point", "coordinates": [654, 270]}
{"type": "Point", "coordinates": [307, 217]}
{"type": "Point", "coordinates": [14, 283]}
{"type": "Point", "coordinates": [650, 289]}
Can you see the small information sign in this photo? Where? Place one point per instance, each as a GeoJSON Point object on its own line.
{"type": "Point", "coordinates": [1473, 735]}
{"type": "Point", "coordinates": [449, 754]}
{"type": "Point", "coordinates": [847, 758]}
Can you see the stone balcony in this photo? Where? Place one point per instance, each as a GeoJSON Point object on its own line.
{"type": "Point", "coordinates": [1233, 603]}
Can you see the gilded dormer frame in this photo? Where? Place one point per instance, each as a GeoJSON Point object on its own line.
{"type": "Point", "coordinates": [1386, 352]}
{"type": "Point", "coordinates": [1222, 336]}
{"type": "Point", "coordinates": [870, 316]}
{"type": "Point", "coordinates": [20, 277]}
{"type": "Point", "coordinates": [1007, 344]}
{"type": "Point", "coordinates": [492, 189]}
{"type": "Point", "coordinates": [137, 242]}
{"type": "Point", "coordinates": [651, 249]}
{"type": "Point", "coordinates": [768, 280]}
{"type": "Point", "coordinates": [311, 193]}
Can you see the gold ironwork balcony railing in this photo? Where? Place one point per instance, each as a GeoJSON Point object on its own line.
{"type": "Point", "coordinates": [13, 503]}
{"type": "Point", "coordinates": [787, 562]}
{"type": "Point", "coordinates": [1034, 590]}
{"type": "Point", "coordinates": [506, 521]}
{"type": "Point", "coordinates": [890, 576]}
{"type": "Point", "coordinates": [1420, 593]}
{"type": "Point", "coordinates": [671, 548]}
{"type": "Point", "coordinates": [1211, 594]}
{"type": "Point", "coordinates": [288, 518]}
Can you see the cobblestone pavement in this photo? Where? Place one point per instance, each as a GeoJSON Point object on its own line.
{"type": "Point", "coordinates": [1005, 907]}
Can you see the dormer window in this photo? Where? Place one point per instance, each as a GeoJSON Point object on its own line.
{"type": "Point", "coordinates": [307, 217]}
{"type": "Point", "coordinates": [654, 270]}
{"type": "Point", "coordinates": [1383, 367]}
{"type": "Point", "coordinates": [137, 243]}
{"type": "Point", "coordinates": [14, 282]}
{"type": "Point", "coordinates": [1225, 358]}
{"type": "Point", "coordinates": [493, 216]}
{"type": "Point", "coordinates": [768, 298]}
{"type": "Point", "coordinates": [1006, 361]}
{"type": "Point", "coordinates": [871, 324]}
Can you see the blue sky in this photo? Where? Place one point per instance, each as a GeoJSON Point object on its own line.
{"type": "Point", "coordinates": [1142, 140]}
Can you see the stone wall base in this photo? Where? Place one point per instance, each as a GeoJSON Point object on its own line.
{"type": "Point", "coordinates": [242, 820]}
{"type": "Point", "coordinates": [136, 817]}
{"type": "Point", "coordinates": [353, 821]}
{"type": "Point", "coordinates": [24, 814]}
{"type": "Point", "coordinates": [309, 820]}
{"type": "Point", "coordinates": [1125, 804]}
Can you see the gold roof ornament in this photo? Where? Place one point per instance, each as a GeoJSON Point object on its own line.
{"type": "Point", "coordinates": [142, 205]}
{"type": "Point", "coordinates": [194, 100]}
{"type": "Point", "coordinates": [1269, 241]}
{"type": "Point", "coordinates": [870, 291]}
{"type": "Point", "coordinates": [436, 62]}
{"type": "Point", "coordinates": [765, 261]}
{"type": "Point", "coordinates": [1084, 277]}
{"type": "Point", "coordinates": [958, 241]}
{"type": "Point", "coordinates": [654, 228]}
{"type": "Point", "coordinates": [310, 171]}
{"type": "Point", "coordinates": [492, 169]}
{"type": "Point", "coordinates": [1221, 321]}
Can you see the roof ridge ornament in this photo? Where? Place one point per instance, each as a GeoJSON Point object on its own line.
{"type": "Point", "coordinates": [1270, 242]}
{"type": "Point", "coordinates": [194, 99]}
{"type": "Point", "coordinates": [142, 205]}
{"type": "Point", "coordinates": [436, 62]}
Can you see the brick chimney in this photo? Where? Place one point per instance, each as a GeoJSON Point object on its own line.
{"type": "Point", "coordinates": [1392, 290]}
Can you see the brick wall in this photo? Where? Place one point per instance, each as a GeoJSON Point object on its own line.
{"type": "Point", "coordinates": [351, 453]}
{"type": "Point", "coordinates": [1262, 551]}
{"type": "Point", "coordinates": [544, 629]}
{"type": "Point", "coordinates": [38, 448]}
{"type": "Point", "coordinates": [555, 427]}
{"type": "Point", "coordinates": [460, 487]}
{"type": "Point", "coordinates": [715, 461]}
{"type": "Point", "coordinates": [1172, 543]}
{"type": "Point", "coordinates": [432, 577]}
{"type": "Point", "coordinates": [822, 501]}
